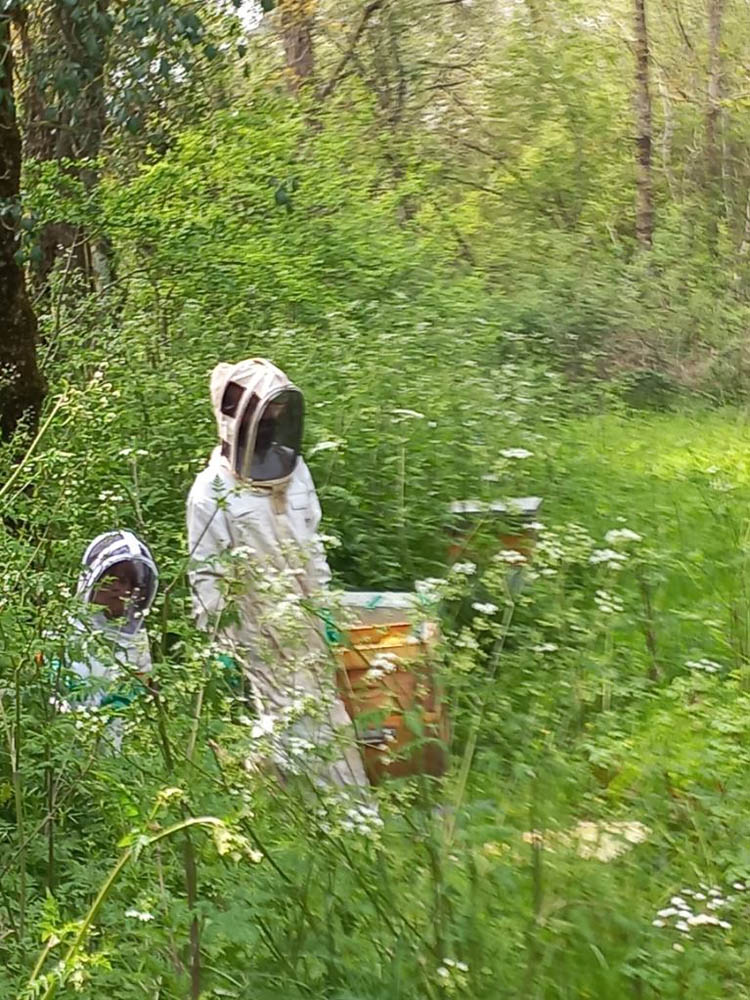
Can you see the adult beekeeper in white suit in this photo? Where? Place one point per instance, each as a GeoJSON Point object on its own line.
{"type": "Point", "coordinates": [259, 570]}
{"type": "Point", "coordinates": [107, 651]}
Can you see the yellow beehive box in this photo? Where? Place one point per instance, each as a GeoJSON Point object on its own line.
{"type": "Point", "coordinates": [387, 683]}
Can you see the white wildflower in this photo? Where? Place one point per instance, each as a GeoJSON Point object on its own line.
{"type": "Point", "coordinates": [429, 588]}
{"type": "Point", "coordinates": [139, 915]}
{"type": "Point", "coordinates": [519, 453]}
{"type": "Point", "coordinates": [611, 558]}
{"type": "Point", "coordinates": [709, 667]}
{"type": "Point", "coordinates": [607, 603]}
{"type": "Point", "coordinates": [409, 414]}
{"type": "Point", "coordinates": [740, 886]}
{"type": "Point", "coordinates": [485, 609]}
{"type": "Point", "coordinates": [464, 568]}
{"type": "Point", "coordinates": [621, 535]}
{"type": "Point", "coordinates": [545, 647]}
{"type": "Point", "coordinates": [380, 665]}
{"type": "Point", "coordinates": [510, 556]}
{"type": "Point", "coordinates": [325, 446]}
{"type": "Point", "coordinates": [677, 946]}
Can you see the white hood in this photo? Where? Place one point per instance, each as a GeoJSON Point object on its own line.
{"type": "Point", "coordinates": [105, 551]}
{"type": "Point", "coordinates": [260, 382]}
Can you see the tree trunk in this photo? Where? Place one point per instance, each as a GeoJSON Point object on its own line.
{"type": "Point", "coordinates": [63, 40]}
{"type": "Point", "coordinates": [296, 35]}
{"type": "Point", "coordinates": [21, 386]}
{"type": "Point", "coordinates": [644, 211]}
{"type": "Point", "coordinates": [713, 117]}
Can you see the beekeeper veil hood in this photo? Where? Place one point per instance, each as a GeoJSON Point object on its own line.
{"type": "Point", "coordinates": [119, 576]}
{"type": "Point", "coordinates": [260, 417]}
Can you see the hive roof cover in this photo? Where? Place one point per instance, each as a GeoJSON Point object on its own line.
{"type": "Point", "coordinates": [527, 506]}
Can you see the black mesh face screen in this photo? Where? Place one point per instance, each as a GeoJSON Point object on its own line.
{"type": "Point", "coordinates": [278, 437]}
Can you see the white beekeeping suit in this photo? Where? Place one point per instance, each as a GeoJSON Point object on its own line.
{"type": "Point", "coordinates": [258, 566]}
{"type": "Point", "coordinates": [108, 646]}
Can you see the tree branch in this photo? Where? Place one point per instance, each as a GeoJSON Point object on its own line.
{"type": "Point", "coordinates": [367, 12]}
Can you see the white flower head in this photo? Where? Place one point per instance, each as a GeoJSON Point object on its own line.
{"type": "Point", "coordinates": [324, 446]}
{"type": "Point", "coordinates": [485, 609]}
{"type": "Point", "coordinates": [409, 414]}
{"type": "Point", "coordinates": [464, 568]}
{"type": "Point", "coordinates": [510, 556]}
{"type": "Point", "coordinates": [516, 453]}
{"type": "Point", "coordinates": [621, 535]}
{"type": "Point", "coordinates": [545, 647]}
{"type": "Point", "coordinates": [610, 557]}
{"type": "Point", "coordinates": [708, 667]}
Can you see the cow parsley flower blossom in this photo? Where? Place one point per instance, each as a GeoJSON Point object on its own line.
{"type": "Point", "coordinates": [609, 557]}
{"type": "Point", "coordinates": [485, 609]}
{"type": "Point", "coordinates": [693, 909]}
{"type": "Point", "coordinates": [707, 666]}
{"type": "Point", "coordinates": [464, 568]}
{"type": "Point", "coordinates": [617, 535]}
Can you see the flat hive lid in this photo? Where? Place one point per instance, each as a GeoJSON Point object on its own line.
{"type": "Point", "coordinates": [525, 506]}
{"type": "Point", "coordinates": [391, 599]}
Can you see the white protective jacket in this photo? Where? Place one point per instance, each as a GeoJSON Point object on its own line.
{"type": "Point", "coordinates": [106, 656]}
{"type": "Point", "coordinates": [258, 570]}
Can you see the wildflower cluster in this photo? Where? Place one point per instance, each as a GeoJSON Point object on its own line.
{"type": "Point", "coordinates": [343, 814]}
{"type": "Point", "coordinates": [692, 909]}
{"type": "Point", "coordinates": [380, 665]}
{"type": "Point", "coordinates": [608, 604]}
{"type": "Point", "coordinates": [452, 975]}
{"type": "Point", "coordinates": [707, 666]}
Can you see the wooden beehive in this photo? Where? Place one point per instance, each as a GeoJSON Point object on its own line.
{"type": "Point", "coordinates": [509, 523]}
{"type": "Point", "coordinates": [387, 684]}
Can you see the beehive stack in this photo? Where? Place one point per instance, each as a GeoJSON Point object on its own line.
{"type": "Point", "coordinates": [387, 682]}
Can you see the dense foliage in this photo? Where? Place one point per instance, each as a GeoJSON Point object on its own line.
{"type": "Point", "coordinates": [434, 235]}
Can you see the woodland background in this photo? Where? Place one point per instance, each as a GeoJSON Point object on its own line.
{"type": "Point", "coordinates": [503, 248]}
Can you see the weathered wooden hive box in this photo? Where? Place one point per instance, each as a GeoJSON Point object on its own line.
{"type": "Point", "coordinates": [387, 682]}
